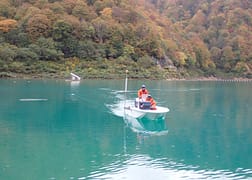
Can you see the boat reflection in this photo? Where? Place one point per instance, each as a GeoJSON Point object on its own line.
{"type": "Point", "coordinates": [147, 126]}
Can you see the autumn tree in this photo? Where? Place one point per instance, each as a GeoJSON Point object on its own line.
{"type": "Point", "coordinates": [83, 11]}
{"type": "Point", "coordinates": [6, 10]}
{"type": "Point", "coordinates": [38, 26]}
{"type": "Point", "coordinates": [7, 25]}
{"type": "Point", "coordinates": [101, 29]}
{"type": "Point", "coordinates": [227, 58]}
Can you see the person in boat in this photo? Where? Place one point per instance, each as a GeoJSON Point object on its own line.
{"type": "Point", "coordinates": [141, 92]}
{"type": "Point", "coordinates": [152, 102]}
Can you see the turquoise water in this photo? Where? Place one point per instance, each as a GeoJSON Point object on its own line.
{"type": "Point", "coordinates": [57, 130]}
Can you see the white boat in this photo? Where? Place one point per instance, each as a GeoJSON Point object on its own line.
{"type": "Point", "coordinates": [135, 111]}
{"type": "Point", "coordinates": [75, 77]}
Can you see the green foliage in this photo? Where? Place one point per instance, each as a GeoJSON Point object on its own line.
{"type": "Point", "coordinates": [46, 49]}
{"type": "Point", "coordinates": [8, 52]}
{"type": "Point", "coordinates": [87, 50]}
{"type": "Point", "coordinates": [241, 67]}
{"type": "Point", "coordinates": [146, 62]}
{"type": "Point", "coordinates": [61, 30]}
{"type": "Point", "coordinates": [16, 67]}
{"type": "Point", "coordinates": [26, 54]}
{"type": "Point", "coordinates": [17, 37]}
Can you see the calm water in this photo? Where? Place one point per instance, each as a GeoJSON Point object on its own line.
{"type": "Point", "coordinates": [58, 130]}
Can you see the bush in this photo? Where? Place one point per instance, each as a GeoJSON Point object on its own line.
{"type": "Point", "coordinates": [8, 52]}
{"type": "Point", "coordinates": [146, 62]}
{"type": "Point", "coordinates": [25, 54]}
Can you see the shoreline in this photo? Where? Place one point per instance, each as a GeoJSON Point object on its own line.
{"type": "Point", "coordinates": [169, 79]}
{"type": "Point", "coordinates": [64, 77]}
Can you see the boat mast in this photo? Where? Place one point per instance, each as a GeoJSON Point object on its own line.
{"type": "Point", "coordinates": [125, 87]}
{"type": "Point", "coordinates": [126, 81]}
{"type": "Point", "coordinates": [125, 98]}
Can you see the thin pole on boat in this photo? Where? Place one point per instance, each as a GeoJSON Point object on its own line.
{"type": "Point", "coordinates": [125, 87]}
{"type": "Point", "coordinates": [126, 81]}
{"type": "Point", "coordinates": [125, 98]}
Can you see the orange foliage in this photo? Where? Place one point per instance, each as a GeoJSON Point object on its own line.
{"type": "Point", "coordinates": [7, 24]}
{"type": "Point", "coordinates": [38, 25]}
{"type": "Point", "coordinates": [107, 12]}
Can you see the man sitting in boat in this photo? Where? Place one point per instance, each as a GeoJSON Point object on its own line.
{"type": "Point", "coordinates": [142, 93]}
{"type": "Point", "coordinates": [152, 102]}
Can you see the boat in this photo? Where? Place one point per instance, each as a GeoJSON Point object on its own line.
{"type": "Point", "coordinates": [136, 110]}
{"type": "Point", "coordinates": [75, 77]}
{"type": "Point", "coordinates": [159, 112]}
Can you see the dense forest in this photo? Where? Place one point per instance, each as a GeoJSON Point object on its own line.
{"type": "Point", "coordinates": [101, 38]}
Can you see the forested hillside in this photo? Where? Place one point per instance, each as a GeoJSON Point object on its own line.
{"type": "Point", "coordinates": [151, 38]}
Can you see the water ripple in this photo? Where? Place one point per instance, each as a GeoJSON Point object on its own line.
{"type": "Point", "coordinates": [144, 167]}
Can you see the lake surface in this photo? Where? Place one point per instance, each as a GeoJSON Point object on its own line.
{"type": "Point", "coordinates": [53, 129]}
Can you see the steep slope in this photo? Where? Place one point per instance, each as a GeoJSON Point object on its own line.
{"type": "Point", "coordinates": [193, 35]}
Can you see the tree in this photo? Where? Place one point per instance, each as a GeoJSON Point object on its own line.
{"type": "Point", "coordinates": [69, 5]}
{"type": "Point", "coordinates": [86, 50]}
{"type": "Point", "coordinates": [146, 62]}
{"type": "Point", "coordinates": [128, 50]}
{"type": "Point", "coordinates": [83, 11]}
{"type": "Point", "coordinates": [38, 25]}
{"type": "Point", "coordinates": [90, 2]}
{"type": "Point", "coordinates": [216, 55]}
{"type": "Point", "coordinates": [227, 58]}
{"type": "Point", "coordinates": [203, 58]}
{"type": "Point", "coordinates": [46, 49]}
{"type": "Point", "coordinates": [7, 24]}
{"type": "Point", "coordinates": [61, 30]}
{"type": "Point", "coordinates": [26, 54]}
{"type": "Point", "coordinates": [180, 58]}
{"type": "Point", "coordinates": [86, 31]}
{"type": "Point", "coordinates": [8, 52]}
{"type": "Point", "coordinates": [101, 4]}
{"type": "Point", "coordinates": [17, 37]}
{"type": "Point", "coordinates": [241, 67]}
{"type": "Point", "coordinates": [56, 7]}
{"type": "Point", "coordinates": [101, 29]}
{"type": "Point", "coordinates": [6, 10]}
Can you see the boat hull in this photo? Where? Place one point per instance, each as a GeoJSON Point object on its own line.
{"type": "Point", "coordinates": [159, 112]}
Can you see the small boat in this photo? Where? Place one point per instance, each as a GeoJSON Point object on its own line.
{"type": "Point", "coordinates": [136, 110]}
{"type": "Point", "coordinates": [75, 77]}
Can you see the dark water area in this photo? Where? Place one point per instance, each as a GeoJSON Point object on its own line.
{"type": "Point", "coordinates": [54, 129]}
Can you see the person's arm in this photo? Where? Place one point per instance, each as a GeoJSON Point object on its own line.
{"type": "Point", "coordinates": [153, 103]}
{"type": "Point", "coordinates": [139, 94]}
